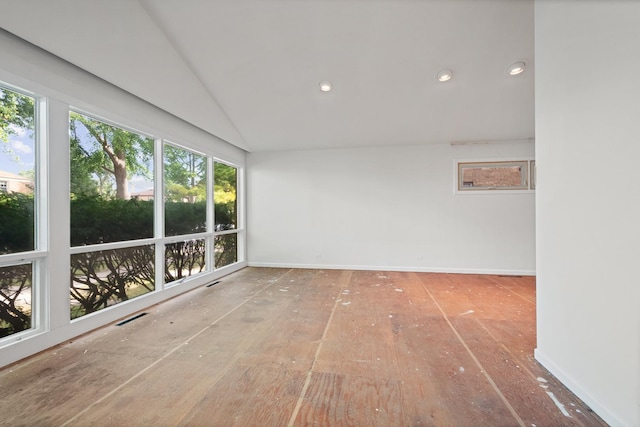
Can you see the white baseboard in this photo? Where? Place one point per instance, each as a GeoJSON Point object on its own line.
{"type": "Point", "coordinates": [577, 389]}
{"type": "Point", "coordinates": [396, 268]}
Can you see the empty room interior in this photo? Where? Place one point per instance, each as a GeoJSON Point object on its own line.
{"type": "Point", "coordinates": [385, 212]}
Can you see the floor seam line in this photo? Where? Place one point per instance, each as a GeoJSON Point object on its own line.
{"type": "Point", "coordinates": [166, 355]}
{"type": "Point", "coordinates": [307, 381]}
{"type": "Point", "coordinates": [475, 359]}
{"type": "Point", "coordinates": [512, 291]}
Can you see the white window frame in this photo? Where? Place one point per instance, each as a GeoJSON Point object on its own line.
{"type": "Point", "coordinates": [51, 323]}
{"type": "Point", "coordinates": [239, 230]}
{"type": "Point", "coordinates": [163, 240]}
{"type": "Point", "coordinates": [39, 255]}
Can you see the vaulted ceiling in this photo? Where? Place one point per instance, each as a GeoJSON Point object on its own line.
{"type": "Point", "coordinates": [248, 71]}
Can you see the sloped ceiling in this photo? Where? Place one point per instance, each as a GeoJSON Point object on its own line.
{"type": "Point", "coordinates": [249, 71]}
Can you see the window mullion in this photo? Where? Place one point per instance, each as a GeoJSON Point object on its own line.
{"type": "Point", "coordinates": [211, 220]}
{"type": "Point", "coordinates": [158, 206]}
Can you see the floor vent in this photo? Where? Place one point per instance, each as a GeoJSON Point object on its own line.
{"type": "Point", "coordinates": [131, 319]}
{"type": "Point", "coordinates": [214, 283]}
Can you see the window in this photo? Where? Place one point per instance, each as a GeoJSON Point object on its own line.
{"type": "Point", "coordinates": [185, 212]}
{"type": "Point", "coordinates": [137, 214]}
{"type": "Point", "coordinates": [507, 175]}
{"type": "Point", "coordinates": [108, 263]}
{"type": "Point", "coordinates": [185, 191]}
{"type": "Point", "coordinates": [19, 257]}
{"type": "Point", "coordinates": [106, 277]}
{"type": "Point", "coordinates": [225, 202]}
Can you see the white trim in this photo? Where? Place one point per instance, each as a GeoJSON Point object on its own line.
{"type": "Point", "coordinates": [209, 244]}
{"type": "Point", "coordinates": [396, 268]}
{"type": "Point", "coordinates": [186, 237]}
{"type": "Point", "coordinates": [108, 122]}
{"type": "Point", "coordinates": [494, 141]}
{"type": "Point", "coordinates": [158, 213]}
{"type": "Point", "coordinates": [182, 147]}
{"type": "Point", "coordinates": [241, 220]}
{"type": "Point", "coordinates": [580, 391]}
{"type": "Point", "coordinates": [74, 250]}
{"type": "Point", "coordinates": [21, 258]}
{"type": "Point", "coordinates": [224, 232]}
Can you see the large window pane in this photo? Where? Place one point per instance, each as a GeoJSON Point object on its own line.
{"type": "Point", "coordinates": [104, 278]}
{"type": "Point", "coordinates": [110, 167]}
{"type": "Point", "coordinates": [17, 172]}
{"type": "Point", "coordinates": [15, 298]}
{"type": "Point", "coordinates": [17, 208]}
{"type": "Point", "coordinates": [225, 196]}
{"type": "Point", "coordinates": [185, 191]}
{"type": "Point", "coordinates": [183, 259]}
{"type": "Point", "coordinates": [226, 249]}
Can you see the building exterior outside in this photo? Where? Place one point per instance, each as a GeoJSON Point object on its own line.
{"type": "Point", "coordinates": [12, 183]}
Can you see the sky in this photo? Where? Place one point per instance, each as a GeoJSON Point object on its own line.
{"type": "Point", "coordinates": [18, 155]}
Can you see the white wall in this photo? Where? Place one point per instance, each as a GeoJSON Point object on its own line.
{"type": "Point", "coordinates": [30, 68]}
{"type": "Point", "coordinates": [385, 208]}
{"type": "Point", "coordinates": [588, 201]}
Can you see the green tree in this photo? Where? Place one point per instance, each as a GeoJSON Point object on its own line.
{"type": "Point", "coordinates": [106, 151]}
{"type": "Point", "coordinates": [185, 174]}
{"type": "Point", "coordinates": [80, 176]}
{"type": "Point", "coordinates": [225, 196]}
{"type": "Point", "coordinates": [17, 111]}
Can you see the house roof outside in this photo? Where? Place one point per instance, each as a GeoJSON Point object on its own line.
{"type": "Point", "coordinates": [8, 176]}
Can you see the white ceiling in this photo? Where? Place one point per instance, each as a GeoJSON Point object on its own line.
{"type": "Point", "coordinates": [248, 70]}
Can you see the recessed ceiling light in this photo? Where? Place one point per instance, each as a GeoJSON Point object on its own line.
{"type": "Point", "coordinates": [325, 86]}
{"type": "Point", "coordinates": [515, 68]}
{"type": "Point", "coordinates": [445, 75]}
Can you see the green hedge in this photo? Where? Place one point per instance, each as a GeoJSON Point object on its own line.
{"type": "Point", "coordinates": [105, 278]}
{"type": "Point", "coordinates": [16, 222]}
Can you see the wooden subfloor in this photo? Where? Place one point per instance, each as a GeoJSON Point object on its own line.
{"type": "Point", "coordinates": [286, 347]}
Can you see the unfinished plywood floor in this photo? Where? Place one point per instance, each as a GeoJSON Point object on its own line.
{"type": "Point", "coordinates": [288, 347]}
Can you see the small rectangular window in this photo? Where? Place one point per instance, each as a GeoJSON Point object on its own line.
{"type": "Point", "coordinates": [508, 175]}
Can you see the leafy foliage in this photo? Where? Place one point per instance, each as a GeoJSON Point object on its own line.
{"type": "Point", "coordinates": [16, 111]}
{"type": "Point", "coordinates": [109, 153]}
{"type": "Point", "coordinates": [15, 316]}
{"type": "Point", "coordinates": [185, 174]}
{"type": "Point", "coordinates": [182, 259]}
{"type": "Point", "coordinates": [16, 227]}
{"type": "Point", "coordinates": [95, 219]}
{"type": "Point", "coordinates": [225, 250]}
{"type": "Point", "coordinates": [185, 218]}
{"type": "Point", "coordinates": [104, 278]}
{"type": "Point", "coordinates": [224, 196]}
